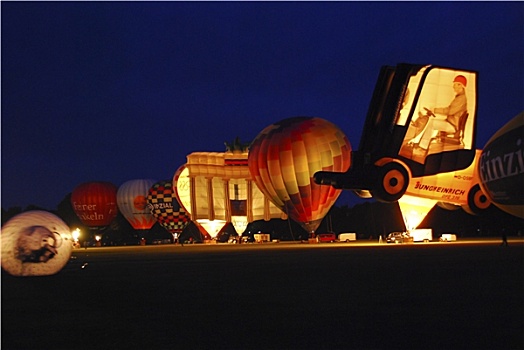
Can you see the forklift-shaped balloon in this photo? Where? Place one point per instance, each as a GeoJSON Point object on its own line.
{"type": "Point", "coordinates": [419, 132]}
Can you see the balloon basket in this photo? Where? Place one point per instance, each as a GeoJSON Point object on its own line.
{"type": "Point", "coordinates": [312, 241]}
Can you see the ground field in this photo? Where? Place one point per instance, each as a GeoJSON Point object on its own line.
{"type": "Point", "coordinates": [273, 296]}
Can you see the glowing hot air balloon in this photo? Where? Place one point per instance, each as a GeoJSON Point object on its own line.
{"type": "Point", "coordinates": [501, 167]}
{"type": "Point", "coordinates": [216, 188]}
{"type": "Point", "coordinates": [283, 159]}
{"type": "Point", "coordinates": [95, 203]}
{"type": "Point", "coordinates": [132, 202]}
{"type": "Point", "coordinates": [35, 243]}
{"type": "Point", "coordinates": [202, 195]}
{"type": "Point", "coordinates": [164, 206]}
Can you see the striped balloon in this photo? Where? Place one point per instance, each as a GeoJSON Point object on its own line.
{"type": "Point", "coordinates": [132, 202]}
{"type": "Point", "coordinates": [283, 159]}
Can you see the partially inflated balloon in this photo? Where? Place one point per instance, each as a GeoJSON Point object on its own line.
{"type": "Point", "coordinates": [132, 202]}
{"type": "Point", "coordinates": [95, 203]}
{"type": "Point", "coordinates": [35, 243]}
{"type": "Point", "coordinates": [283, 159]}
{"type": "Point", "coordinates": [164, 206]}
{"type": "Point", "coordinates": [501, 167]}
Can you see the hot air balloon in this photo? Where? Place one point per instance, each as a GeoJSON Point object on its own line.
{"type": "Point", "coordinates": [449, 190]}
{"type": "Point", "coordinates": [132, 202]}
{"type": "Point", "coordinates": [283, 159]}
{"type": "Point", "coordinates": [95, 203]}
{"type": "Point", "coordinates": [164, 206]}
{"type": "Point", "coordinates": [202, 196]}
{"type": "Point", "coordinates": [501, 167]}
{"type": "Point", "coordinates": [216, 188]}
{"type": "Point", "coordinates": [35, 243]}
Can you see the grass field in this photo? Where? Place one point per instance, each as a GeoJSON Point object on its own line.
{"type": "Point", "coordinates": [273, 296]}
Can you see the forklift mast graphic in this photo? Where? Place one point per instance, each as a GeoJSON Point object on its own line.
{"type": "Point", "coordinates": [421, 122]}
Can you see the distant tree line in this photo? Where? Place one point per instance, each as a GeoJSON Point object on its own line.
{"type": "Point", "coordinates": [368, 220]}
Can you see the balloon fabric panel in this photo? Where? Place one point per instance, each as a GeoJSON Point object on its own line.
{"type": "Point", "coordinates": [300, 171]}
{"type": "Point", "coordinates": [259, 168]}
{"type": "Point", "coordinates": [275, 185]}
{"type": "Point", "coordinates": [182, 188]}
{"type": "Point", "coordinates": [219, 198]}
{"type": "Point", "coordinates": [200, 198]}
{"type": "Point", "coordinates": [287, 167]}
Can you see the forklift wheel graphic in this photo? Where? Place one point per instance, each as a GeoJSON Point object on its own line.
{"type": "Point", "coordinates": [392, 182]}
{"type": "Point", "coordinates": [477, 200]}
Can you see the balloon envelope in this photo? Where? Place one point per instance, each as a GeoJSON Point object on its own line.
{"type": "Point", "coordinates": [95, 203]}
{"type": "Point", "coordinates": [414, 209]}
{"type": "Point", "coordinates": [35, 243]}
{"type": "Point", "coordinates": [501, 167]}
{"type": "Point", "coordinates": [202, 197]}
{"type": "Point", "coordinates": [164, 206]}
{"type": "Point", "coordinates": [216, 188]}
{"type": "Point", "coordinates": [132, 202]}
{"type": "Point", "coordinates": [283, 159]}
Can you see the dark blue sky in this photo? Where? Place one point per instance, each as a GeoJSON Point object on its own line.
{"type": "Point", "coordinates": [116, 91]}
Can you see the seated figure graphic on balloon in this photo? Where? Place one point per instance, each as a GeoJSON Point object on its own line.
{"type": "Point", "coordinates": [428, 126]}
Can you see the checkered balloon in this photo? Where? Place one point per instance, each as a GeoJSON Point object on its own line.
{"type": "Point", "coordinates": [164, 206]}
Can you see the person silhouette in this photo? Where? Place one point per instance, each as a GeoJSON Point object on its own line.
{"type": "Point", "coordinates": [504, 237]}
{"type": "Point", "coordinates": [453, 112]}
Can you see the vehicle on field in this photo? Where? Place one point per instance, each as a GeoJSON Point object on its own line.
{"type": "Point", "coordinates": [347, 237]}
{"type": "Point", "coordinates": [399, 237]}
{"type": "Point", "coordinates": [248, 239]}
{"type": "Point", "coordinates": [448, 237]}
{"type": "Point", "coordinates": [161, 241]}
{"type": "Point", "coordinates": [226, 237]}
{"type": "Point", "coordinates": [262, 237]}
{"type": "Point", "coordinates": [233, 240]}
{"type": "Point", "coordinates": [326, 237]}
{"type": "Point", "coordinates": [421, 235]}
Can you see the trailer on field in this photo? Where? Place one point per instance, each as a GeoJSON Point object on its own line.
{"type": "Point", "coordinates": [347, 237]}
{"type": "Point", "coordinates": [448, 237]}
{"type": "Point", "coordinates": [422, 235]}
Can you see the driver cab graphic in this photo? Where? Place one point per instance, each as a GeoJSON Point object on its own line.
{"type": "Point", "coordinates": [420, 122]}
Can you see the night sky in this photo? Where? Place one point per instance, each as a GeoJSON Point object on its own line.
{"type": "Point", "coordinates": [115, 91]}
